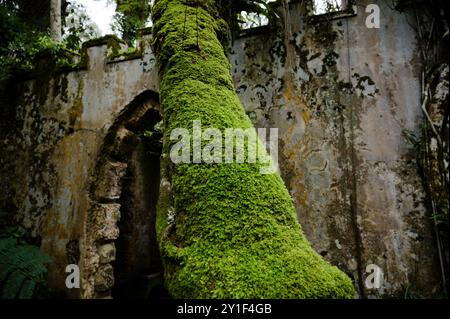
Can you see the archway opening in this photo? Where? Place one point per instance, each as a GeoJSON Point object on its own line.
{"type": "Point", "coordinates": [121, 254]}
{"type": "Point", "coordinates": [138, 270]}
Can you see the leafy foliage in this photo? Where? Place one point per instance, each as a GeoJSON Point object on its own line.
{"type": "Point", "coordinates": [326, 6]}
{"type": "Point", "coordinates": [35, 13]}
{"type": "Point", "coordinates": [130, 16]}
{"type": "Point", "coordinates": [21, 43]}
{"type": "Point", "coordinates": [23, 267]}
{"type": "Point", "coordinates": [78, 26]}
{"type": "Point", "coordinates": [244, 14]}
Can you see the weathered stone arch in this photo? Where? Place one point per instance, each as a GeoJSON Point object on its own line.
{"type": "Point", "coordinates": [125, 182]}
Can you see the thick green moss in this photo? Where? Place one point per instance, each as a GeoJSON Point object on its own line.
{"type": "Point", "coordinates": [234, 232]}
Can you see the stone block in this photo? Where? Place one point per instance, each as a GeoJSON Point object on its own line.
{"type": "Point", "coordinates": [107, 253]}
{"type": "Point", "coordinates": [109, 186]}
{"type": "Point", "coordinates": [106, 217]}
{"type": "Point", "coordinates": [104, 278]}
{"type": "Point", "coordinates": [124, 143]}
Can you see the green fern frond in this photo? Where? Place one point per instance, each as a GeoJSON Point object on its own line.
{"type": "Point", "coordinates": [23, 267]}
{"type": "Point", "coordinates": [27, 290]}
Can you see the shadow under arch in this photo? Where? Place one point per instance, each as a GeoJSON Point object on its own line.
{"type": "Point", "coordinates": [121, 255]}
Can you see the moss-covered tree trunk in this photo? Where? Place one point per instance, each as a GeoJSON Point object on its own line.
{"type": "Point", "coordinates": [225, 230]}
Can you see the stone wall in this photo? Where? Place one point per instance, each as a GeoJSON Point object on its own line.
{"type": "Point", "coordinates": [73, 155]}
{"type": "Point", "coordinates": [342, 96]}
{"type": "Point", "coordinates": [58, 173]}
